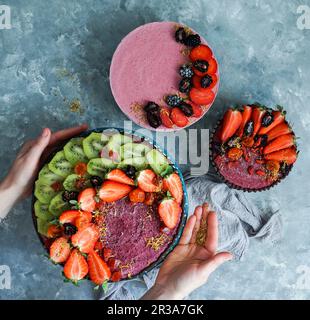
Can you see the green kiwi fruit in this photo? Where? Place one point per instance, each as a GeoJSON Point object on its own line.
{"type": "Point", "coordinates": [139, 163]}
{"type": "Point", "coordinates": [99, 166]}
{"type": "Point", "coordinates": [71, 182]}
{"type": "Point", "coordinates": [41, 211]}
{"type": "Point", "coordinates": [93, 144]}
{"type": "Point", "coordinates": [58, 205]}
{"type": "Point", "coordinates": [42, 226]}
{"type": "Point", "coordinates": [43, 192]}
{"type": "Point", "coordinates": [158, 162]}
{"type": "Point", "coordinates": [60, 165]}
{"type": "Point", "coordinates": [119, 139]}
{"type": "Point", "coordinates": [132, 150]}
{"type": "Point", "coordinates": [74, 152]}
{"type": "Point", "coordinates": [49, 177]}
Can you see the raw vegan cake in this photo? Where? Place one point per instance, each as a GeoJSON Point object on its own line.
{"type": "Point", "coordinates": [164, 76]}
{"type": "Point", "coordinates": [253, 148]}
{"type": "Point", "coordinates": [107, 206]}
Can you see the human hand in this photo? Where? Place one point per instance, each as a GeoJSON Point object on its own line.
{"type": "Point", "coordinates": [19, 181]}
{"type": "Point", "coordinates": [190, 264]}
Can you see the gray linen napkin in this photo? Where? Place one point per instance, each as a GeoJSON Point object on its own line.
{"type": "Point", "coordinates": [239, 220]}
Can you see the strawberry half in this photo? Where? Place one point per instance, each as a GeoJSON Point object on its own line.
{"type": "Point", "coordinates": [99, 272]}
{"type": "Point", "coordinates": [282, 142]}
{"type": "Point", "coordinates": [278, 117]}
{"type": "Point", "coordinates": [288, 155]}
{"type": "Point", "coordinates": [246, 116]}
{"type": "Point", "coordinates": [69, 216]}
{"type": "Point", "coordinates": [83, 220]}
{"type": "Point", "coordinates": [148, 182]}
{"type": "Point", "coordinates": [86, 238]}
{"type": "Point", "coordinates": [212, 66]}
{"type": "Point", "coordinates": [174, 185]}
{"type": "Point", "coordinates": [279, 130]}
{"type": "Point", "coordinates": [170, 211]}
{"type": "Point", "coordinates": [201, 97]}
{"type": "Point", "coordinates": [60, 250]}
{"type": "Point", "coordinates": [119, 175]}
{"type": "Point", "coordinates": [112, 191]}
{"type": "Point", "coordinates": [201, 52]}
{"type": "Point", "coordinates": [86, 199]}
{"type": "Point", "coordinates": [231, 123]}
{"type": "Point", "coordinates": [257, 116]}
{"type": "Point", "coordinates": [76, 267]}
{"type": "Point", "coordinates": [197, 110]}
{"type": "Point", "coordinates": [178, 118]}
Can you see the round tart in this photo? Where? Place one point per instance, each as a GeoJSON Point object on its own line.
{"type": "Point", "coordinates": [164, 76]}
{"type": "Point", "coordinates": [253, 148]}
{"type": "Point", "coordinates": [109, 206]}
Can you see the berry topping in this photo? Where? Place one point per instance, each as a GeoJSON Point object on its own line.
{"type": "Point", "coordinates": [69, 216]}
{"type": "Point", "coordinates": [76, 267]}
{"type": "Point", "coordinates": [86, 238]}
{"type": "Point", "coordinates": [257, 116]}
{"type": "Point", "coordinates": [197, 110]}
{"type": "Point", "coordinates": [130, 171]}
{"type": "Point", "coordinates": [151, 107]}
{"type": "Point", "coordinates": [178, 117]}
{"type": "Point", "coordinates": [201, 52]}
{"type": "Point", "coordinates": [153, 118]}
{"type": "Point", "coordinates": [54, 231]}
{"type": "Point", "coordinates": [180, 35]}
{"type": "Point", "coordinates": [148, 182]}
{"type": "Point", "coordinates": [186, 71]}
{"type": "Point", "coordinates": [282, 142]}
{"type": "Point", "coordinates": [112, 191]}
{"type": "Point", "coordinates": [60, 250]}
{"type": "Point", "coordinates": [204, 97]}
{"type": "Point", "coordinates": [96, 181]}
{"type": "Point", "coordinates": [288, 155]}
{"type": "Point", "coordinates": [119, 175]}
{"type": "Point", "coordinates": [201, 65]}
{"type": "Point", "coordinates": [267, 119]}
{"type": "Point", "coordinates": [99, 272]}
{"type": "Point", "coordinates": [86, 199]}
{"type": "Point", "coordinates": [169, 211]}
{"type": "Point", "coordinates": [234, 154]}
{"type": "Point", "coordinates": [186, 108]}
{"type": "Point", "coordinates": [165, 117]}
{"type": "Point", "coordinates": [69, 229]}
{"type": "Point", "coordinates": [231, 123]}
{"type": "Point", "coordinates": [173, 100]}
{"type": "Point", "coordinates": [185, 85]}
{"type": "Point", "coordinates": [174, 185]}
{"type": "Point", "coordinates": [69, 195]}
{"type": "Point", "coordinates": [137, 195]}
{"type": "Point", "coordinates": [206, 81]}
{"type": "Point", "coordinates": [193, 40]}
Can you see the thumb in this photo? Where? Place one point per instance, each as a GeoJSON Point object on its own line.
{"type": "Point", "coordinates": [217, 260]}
{"type": "Point", "coordinates": [41, 143]}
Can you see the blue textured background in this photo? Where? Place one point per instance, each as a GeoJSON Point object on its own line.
{"type": "Point", "coordinates": [60, 51]}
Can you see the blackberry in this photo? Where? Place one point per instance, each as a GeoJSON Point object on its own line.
{"type": "Point", "coordinates": [185, 85]}
{"type": "Point", "coordinates": [173, 100]}
{"type": "Point", "coordinates": [186, 72]}
{"type": "Point", "coordinates": [193, 40]}
{"type": "Point", "coordinates": [201, 65]}
{"type": "Point", "coordinates": [69, 195]}
{"type": "Point", "coordinates": [186, 108]}
{"type": "Point", "coordinates": [180, 35]}
{"type": "Point", "coordinates": [130, 172]}
{"type": "Point", "coordinates": [267, 119]}
{"type": "Point", "coordinates": [248, 129]}
{"type": "Point", "coordinates": [69, 229]}
{"type": "Point", "coordinates": [95, 181]}
{"type": "Point", "coordinates": [151, 106]}
{"type": "Point", "coordinates": [206, 81]}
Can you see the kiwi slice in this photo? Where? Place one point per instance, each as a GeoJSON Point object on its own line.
{"type": "Point", "coordinates": [41, 211]}
{"type": "Point", "coordinates": [93, 144]}
{"type": "Point", "coordinates": [58, 205]}
{"type": "Point", "coordinates": [119, 139]}
{"type": "Point", "coordinates": [158, 162]}
{"type": "Point", "coordinates": [132, 150]}
{"type": "Point", "coordinates": [140, 163]}
{"type": "Point", "coordinates": [42, 226]}
{"type": "Point", "coordinates": [75, 182]}
{"type": "Point", "coordinates": [74, 152]}
{"type": "Point", "coordinates": [60, 165]}
{"type": "Point", "coordinates": [49, 177]}
{"type": "Point", "coordinates": [99, 166]}
{"type": "Point", "coordinates": [44, 192]}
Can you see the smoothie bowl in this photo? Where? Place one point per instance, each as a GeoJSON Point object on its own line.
{"type": "Point", "coordinates": [109, 206]}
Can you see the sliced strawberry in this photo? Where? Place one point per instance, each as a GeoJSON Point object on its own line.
{"type": "Point", "coordinates": [288, 155]}
{"type": "Point", "coordinates": [212, 66]}
{"type": "Point", "coordinates": [83, 220]}
{"type": "Point", "coordinates": [113, 263]}
{"type": "Point", "coordinates": [119, 175]}
{"type": "Point", "coordinates": [98, 245]}
{"type": "Point", "coordinates": [197, 82]}
{"type": "Point", "coordinates": [246, 116]}
{"type": "Point", "coordinates": [231, 123]}
{"type": "Point", "coordinates": [178, 117]}
{"type": "Point", "coordinates": [116, 276]}
{"type": "Point", "coordinates": [278, 117]}
{"type": "Point", "coordinates": [279, 130]}
{"type": "Point", "coordinates": [54, 231]}
{"type": "Point", "coordinates": [86, 199]}
{"type": "Point", "coordinates": [80, 168]}
{"type": "Point", "coordinates": [174, 185]}
{"type": "Point", "coordinates": [201, 97]}
{"type": "Point", "coordinates": [107, 253]}
{"type": "Point", "coordinates": [99, 272]}
{"type": "Point", "coordinates": [149, 198]}
{"type": "Point", "coordinates": [197, 110]}
{"type": "Point", "coordinates": [165, 117]}
{"type": "Point", "coordinates": [282, 142]}
{"type": "Point", "coordinates": [86, 238]}
{"type": "Point", "coordinates": [60, 250]}
{"type": "Point", "coordinates": [257, 116]}
{"type": "Point", "coordinates": [76, 267]}
{"type": "Point", "coordinates": [148, 182]}
{"type": "Point", "coordinates": [112, 191]}
{"type": "Point", "coordinates": [169, 211]}
{"type": "Point", "coordinates": [201, 52]}
{"type": "Point", "coordinates": [69, 216]}
{"type": "Point", "coordinates": [137, 195]}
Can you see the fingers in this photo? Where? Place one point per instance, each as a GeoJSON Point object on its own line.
{"type": "Point", "coordinates": [212, 233]}
{"type": "Point", "coordinates": [67, 133]}
{"type": "Point", "coordinates": [188, 230]}
{"type": "Point", "coordinates": [39, 145]}
{"type": "Point", "coordinates": [197, 213]}
{"type": "Point", "coordinates": [213, 263]}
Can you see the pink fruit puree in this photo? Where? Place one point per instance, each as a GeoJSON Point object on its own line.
{"type": "Point", "coordinates": [145, 68]}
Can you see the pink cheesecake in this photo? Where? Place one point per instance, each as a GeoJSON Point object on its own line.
{"type": "Point", "coordinates": [145, 67]}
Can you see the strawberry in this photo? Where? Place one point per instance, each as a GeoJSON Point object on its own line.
{"type": "Point", "coordinates": [178, 117]}
{"type": "Point", "coordinates": [99, 272]}
{"type": "Point", "coordinates": [288, 155]}
{"type": "Point", "coordinates": [86, 199]}
{"type": "Point", "coordinates": [257, 116]}
{"type": "Point", "coordinates": [107, 253]}
{"type": "Point", "coordinates": [282, 142]}
{"type": "Point", "coordinates": [113, 264]}
{"type": "Point", "coordinates": [149, 198]}
{"type": "Point", "coordinates": [231, 123]}
{"type": "Point", "coordinates": [83, 220]}
{"type": "Point", "coordinates": [112, 191]}
{"type": "Point", "coordinates": [76, 267]}
{"type": "Point", "coordinates": [120, 176]}
{"type": "Point", "coordinates": [174, 185]}
{"type": "Point", "coordinates": [279, 130]}
{"type": "Point", "coordinates": [148, 182]}
{"type": "Point", "coordinates": [116, 276]}
{"type": "Point", "coordinates": [54, 231]}
{"type": "Point", "coordinates": [98, 246]}
{"type": "Point", "coordinates": [137, 195]}
{"type": "Point", "coordinates": [80, 168]}
{"type": "Point", "coordinates": [278, 117]}
{"type": "Point", "coordinates": [86, 238]}
{"type": "Point", "coordinates": [201, 52]}
{"type": "Point", "coordinates": [246, 116]}
{"type": "Point", "coordinates": [60, 250]}
{"type": "Point", "coordinates": [165, 117]}
{"type": "Point", "coordinates": [201, 97]}
{"type": "Point", "coordinates": [69, 216]}
{"type": "Point", "coordinates": [197, 82]}
{"type": "Point", "coordinates": [169, 211]}
{"type": "Point", "coordinates": [197, 110]}
{"type": "Point", "coordinates": [212, 66]}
